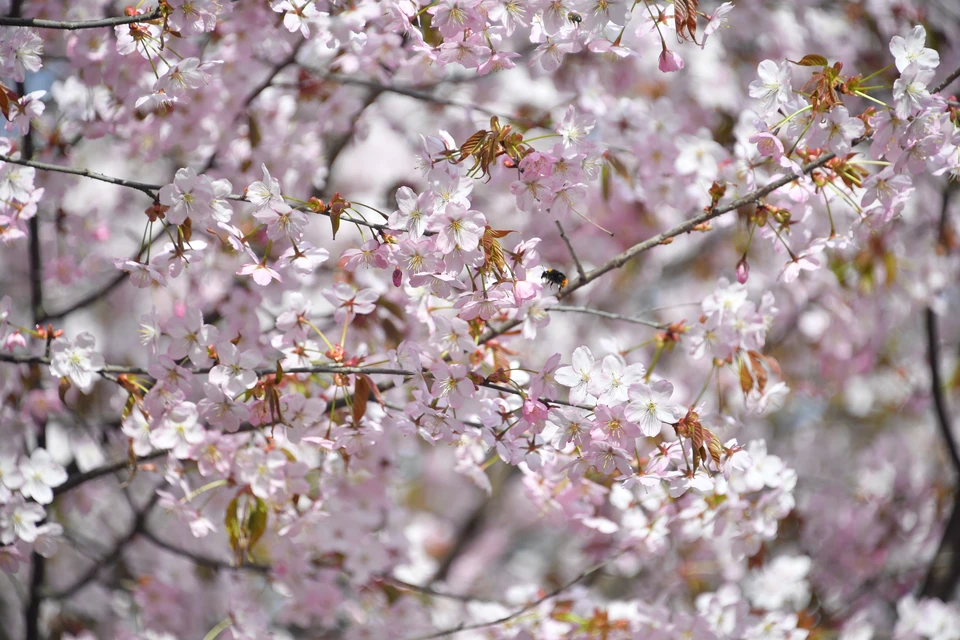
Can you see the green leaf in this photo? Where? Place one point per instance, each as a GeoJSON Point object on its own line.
{"type": "Point", "coordinates": [246, 522]}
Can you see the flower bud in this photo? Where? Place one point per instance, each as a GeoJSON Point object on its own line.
{"type": "Point", "coordinates": [743, 270]}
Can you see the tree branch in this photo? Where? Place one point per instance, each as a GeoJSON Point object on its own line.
{"type": "Point", "coordinates": [204, 561]}
{"type": "Point", "coordinates": [38, 23]}
{"type": "Point", "coordinates": [260, 88]}
{"type": "Point", "coordinates": [78, 479]}
{"type": "Point", "coordinates": [944, 570]}
{"type": "Point", "coordinates": [608, 315]}
{"type": "Point", "coordinates": [519, 612]}
{"type": "Point", "coordinates": [149, 189]}
{"type": "Point", "coordinates": [581, 274]}
{"type": "Point", "coordinates": [104, 291]}
{"type": "Point", "coordinates": [685, 227]}
{"type": "Point", "coordinates": [139, 520]}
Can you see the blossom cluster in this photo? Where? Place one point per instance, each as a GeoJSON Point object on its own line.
{"type": "Point", "coordinates": [578, 350]}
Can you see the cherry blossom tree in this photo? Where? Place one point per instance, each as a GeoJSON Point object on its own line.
{"type": "Point", "coordinates": [485, 319]}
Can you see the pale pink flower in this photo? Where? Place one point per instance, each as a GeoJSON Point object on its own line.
{"type": "Point", "coordinates": [40, 475]}
{"type": "Point", "coordinates": [76, 361]}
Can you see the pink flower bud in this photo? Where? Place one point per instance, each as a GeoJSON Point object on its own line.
{"type": "Point", "coordinates": [670, 61]}
{"type": "Point", "coordinates": [743, 270]}
{"type": "Point", "coordinates": [397, 277]}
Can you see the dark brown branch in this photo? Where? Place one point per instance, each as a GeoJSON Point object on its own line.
{"type": "Point", "coordinates": [203, 561]}
{"type": "Point", "coordinates": [139, 520]}
{"type": "Point", "coordinates": [38, 23]}
{"type": "Point", "coordinates": [78, 479]}
{"type": "Point", "coordinates": [944, 571]}
{"type": "Point", "coordinates": [38, 564]}
{"type": "Point", "coordinates": [99, 294]}
{"type": "Point", "coordinates": [149, 189]}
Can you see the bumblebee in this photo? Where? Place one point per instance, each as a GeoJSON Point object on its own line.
{"type": "Point", "coordinates": [555, 277]}
{"type": "Point", "coordinates": [575, 17]}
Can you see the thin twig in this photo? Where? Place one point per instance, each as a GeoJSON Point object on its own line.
{"type": "Point", "coordinates": [519, 612]}
{"type": "Point", "coordinates": [608, 315]}
{"type": "Point", "coordinates": [429, 591]}
{"type": "Point", "coordinates": [260, 88]}
{"type": "Point", "coordinates": [573, 254]}
{"type": "Point", "coordinates": [149, 189]}
{"type": "Point", "coordinates": [204, 561]}
{"type": "Point", "coordinates": [77, 479]}
{"type": "Point", "coordinates": [98, 294]}
{"type": "Point", "coordinates": [152, 189]}
{"type": "Point", "coordinates": [67, 25]}
{"type": "Point", "coordinates": [936, 389]}
{"type": "Point", "coordinates": [117, 369]}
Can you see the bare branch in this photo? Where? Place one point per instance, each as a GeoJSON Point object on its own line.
{"type": "Point", "coordinates": [573, 254]}
{"type": "Point", "coordinates": [204, 561]}
{"type": "Point", "coordinates": [433, 592]}
{"type": "Point", "coordinates": [38, 23]}
{"type": "Point", "coordinates": [95, 296]}
{"type": "Point", "coordinates": [608, 315]}
{"type": "Point", "coordinates": [149, 189]}
{"type": "Point", "coordinates": [519, 612]}
{"type": "Point", "coordinates": [260, 88]}
{"type": "Point", "coordinates": [944, 570]}
{"type": "Point", "coordinates": [140, 518]}
{"type": "Point", "coordinates": [77, 479]}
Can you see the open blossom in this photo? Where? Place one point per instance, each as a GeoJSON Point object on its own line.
{"type": "Point", "coordinates": [20, 51]}
{"type": "Point", "coordinates": [188, 196]}
{"type": "Point", "coordinates": [282, 221]}
{"type": "Point", "coordinates": [574, 127]}
{"type": "Point", "coordinates": [413, 211]}
{"type": "Point", "coordinates": [457, 228]}
{"type": "Point", "coordinates": [577, 375]}
{"type": "Point", "coordinates": [910, 90]}
{"type": "Point", "coordinates": [136, 427]}
{"type": "Point", "coordinates": [774, 86]}
{"type": "Point", "coordinates": [191, 337]}
{"type": "Point", "coordinates": [40, 475]}
{"type": "Point", "coordinates": [650, 406]}
{"type": "Point", "coordinates": [76, 361]}
{"type": "Point", "coordinates": [260, 272]}
{"type": "Point", "coordinates": [234, 371]}
{"type": "Point", "coordinates": [264, 472]}
{"type": "Point", "coordinates": [298, 15]}
{"type": "Point", "coordinates": [179, 430]}
{"type": "Point", "coordinates": [836, 131]}
{"type": "Point", "coordinates": [18, 520]}
{"type": "Point", "coordinates": [911, 50]}
{"type": "Point", "coordinates": [187, 74]}
{"type": "Point", "coordinates": [350, 303]}
{"type": "Point", "coordinates": [24, 110]}
{"type": "Point", "coordinates": [454, 16]}
{"type": "Point", "coordinates": [611, 383]}
{"type": "Point", "coordinates": [452, 383]}
{"type": "Point", "coordinates": [265, 192]}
